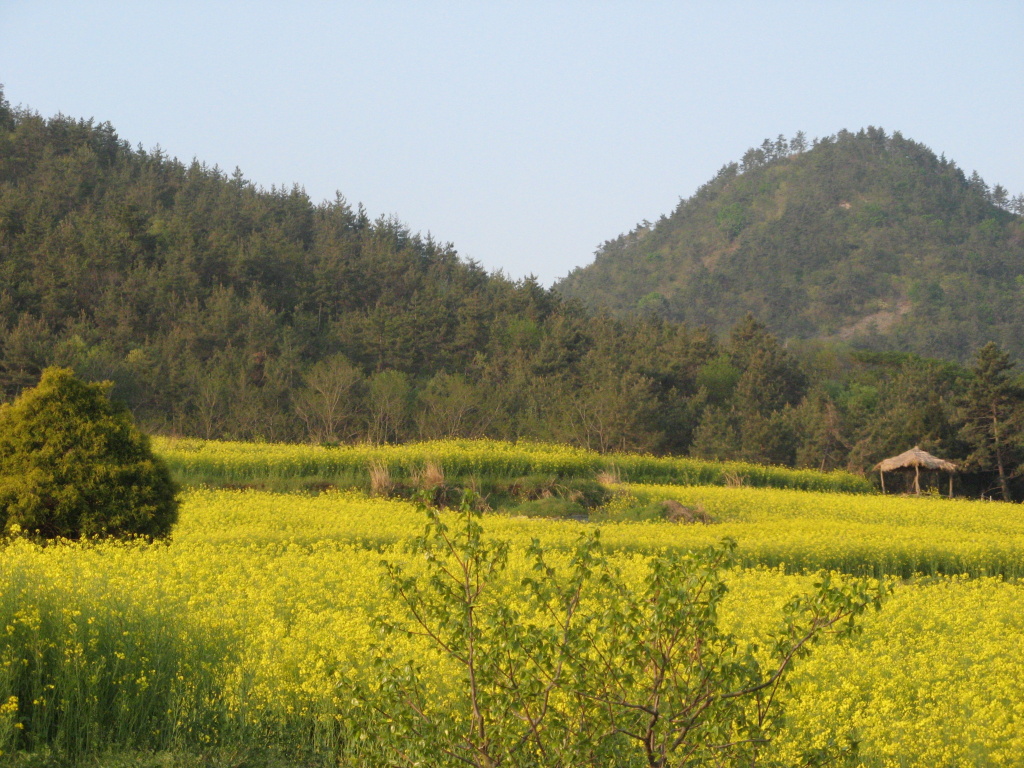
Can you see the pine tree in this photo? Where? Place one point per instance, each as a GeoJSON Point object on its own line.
{"type": "Point", "coordinates": [993, 418]}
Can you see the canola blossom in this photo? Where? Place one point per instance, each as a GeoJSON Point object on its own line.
{"type": "Point", "coordinates": [794, 530]}
{"type": "Point", "coordinates": [875, 535]}
{"type": "Point", "coordinates": [256, 624]}
{"type": "Point", "coordinates": [210, 461]}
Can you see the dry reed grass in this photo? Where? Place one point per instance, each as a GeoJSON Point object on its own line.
{"type": "Point", "coordinates": [733, 479]}
{"type": "Point", "coordinates": [381, 483]}
{"type": "Point", "coordinates": [429, 477]}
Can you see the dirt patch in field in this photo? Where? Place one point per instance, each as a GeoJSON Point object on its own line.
{"type": "Point", "coordinates": [679, 513]}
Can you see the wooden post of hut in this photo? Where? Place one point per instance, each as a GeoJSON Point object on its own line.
{"type": "Point", "coordinates": [917, 459]}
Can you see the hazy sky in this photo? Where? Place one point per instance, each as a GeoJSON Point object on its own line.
{"type": "Point", "coordinates": [526, 133]}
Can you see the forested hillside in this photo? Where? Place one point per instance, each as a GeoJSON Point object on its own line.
{"type": "Point", "coordinates": [866, 236]}
{"type": "Point", "coordinates": [222, 310]}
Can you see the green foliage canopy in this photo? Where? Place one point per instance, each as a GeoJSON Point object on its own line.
{"type": "Point", "coordinates": [73, 464]}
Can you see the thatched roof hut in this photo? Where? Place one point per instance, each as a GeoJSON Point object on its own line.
{"type": "Point", "coordinates": [917, 460]}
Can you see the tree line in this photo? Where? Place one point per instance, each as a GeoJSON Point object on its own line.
{"type": "Point", "coordinates": [222, 310]}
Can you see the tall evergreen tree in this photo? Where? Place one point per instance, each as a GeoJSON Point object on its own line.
{"type": "Point", "coordinates": [993, 412]}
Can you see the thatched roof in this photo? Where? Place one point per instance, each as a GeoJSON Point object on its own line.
{"type": "Point", "coordinates": [915, 457]}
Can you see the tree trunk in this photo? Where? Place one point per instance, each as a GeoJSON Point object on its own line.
{"type": "Point", "coordinates": [1004, 484]}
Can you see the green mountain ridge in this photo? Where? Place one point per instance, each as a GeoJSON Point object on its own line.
{"type": "Point", "coordinates": [863, 237]}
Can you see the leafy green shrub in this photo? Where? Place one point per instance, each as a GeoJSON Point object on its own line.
{"type": "Point", "coordinates": [587, 492]}
{"type": "Point", "coordinates": [73, 464]}
{"type": "Point", "coordinates": [590, 665]}
{"type": "Point", "coordinates": [636, 512]}
{"type": "Point", "coordinates": [625, 507]}
{"type": "Point", "coordinates": [552, 506]}
{"type": "Point", "coordinates": [532, 487]}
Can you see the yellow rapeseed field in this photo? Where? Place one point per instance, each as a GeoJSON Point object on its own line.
{"type": "Point", "coordinates": [879, 535]}
{"type": "Point", "coordinates": [216, 461]}
{"type": "Point", "coordinates": [255, 622]}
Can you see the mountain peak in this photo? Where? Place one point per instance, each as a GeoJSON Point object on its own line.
{"type": "Point", "coordinates": [868, 237]}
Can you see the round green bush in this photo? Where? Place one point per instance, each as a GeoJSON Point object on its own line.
{"type": "Point", "coordinates": [552, 506]}
{"type": "Point", "coordinates": [73, 464]}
